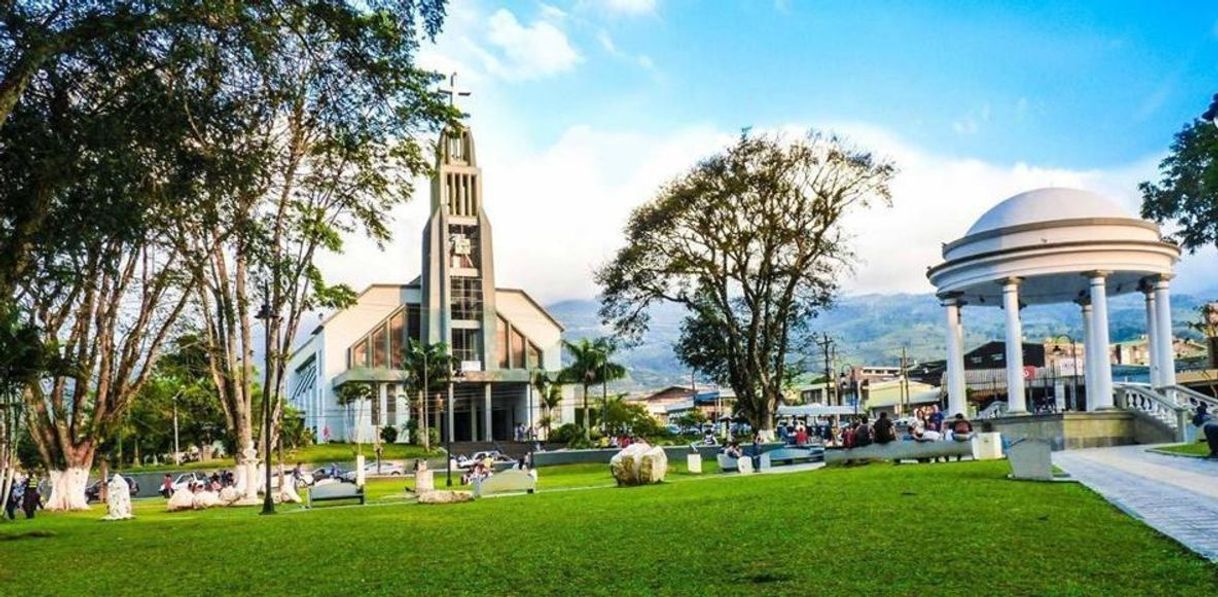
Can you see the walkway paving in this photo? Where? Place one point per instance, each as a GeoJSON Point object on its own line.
{"type": "Point", "coordinates": [1178, 496]}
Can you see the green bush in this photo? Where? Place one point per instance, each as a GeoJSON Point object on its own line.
{"type": "Point", "coordinates": [566, 433]}
{"type": "Point", "coordinates": [389, 434]}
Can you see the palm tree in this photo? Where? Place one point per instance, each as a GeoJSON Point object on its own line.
{"type": "Point", "coordinates": [549, 392]}
{"type": "Point", "coordinates": [425, 367]}
{"type": "Point", "coordinates": [356, 393]}
{"type": "Point", "coordinates": [590, 364]}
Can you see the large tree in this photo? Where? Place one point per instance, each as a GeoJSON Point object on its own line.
{"type": "Point", "coordinates": [1187, 193]}
{"type": "Point", "coordinates": [751, 242]}
{"type": "Point", "coordinates": [309, 134]}
{"type": "Point", "coordinates": [93, 146]}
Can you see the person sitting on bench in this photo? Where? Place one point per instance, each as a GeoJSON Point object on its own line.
{"type": "Point", "coordinates": [885, 431]}
{"type": "Point", "coordinates": [962, 430]}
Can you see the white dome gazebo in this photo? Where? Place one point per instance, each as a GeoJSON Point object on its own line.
{"type": "Point", "coordinates": [1056, 245]}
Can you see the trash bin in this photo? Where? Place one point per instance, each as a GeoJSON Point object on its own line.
{"type": "Point", "coordinates": [1030, 460]}
{"type": "Point", "coordinates": [693, 463]}
{"type": "Point", "coordinates": [987, 446]}
{"type": "Point", "coordinates": [424, 481]}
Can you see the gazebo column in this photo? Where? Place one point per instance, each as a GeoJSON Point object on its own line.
{"type": "Point", "coordinates": [1166, 344]}
{"type": "Point", "coordinates": [1099, 332]}
{"type": "Point", "coordinates": [1152, 334]}
{"type": "Point", "coordinates": [1088, 355]}
{"type": "Point", "coordinates": [957, 399]}
{"type": "Point", "coordinates": [1016, 401]}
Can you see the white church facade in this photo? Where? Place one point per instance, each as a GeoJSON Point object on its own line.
{"type": "Point", "coordinates": [500, 336]}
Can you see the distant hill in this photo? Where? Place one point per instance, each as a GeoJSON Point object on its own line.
{"type": "Point", "coordinates": [872, 329]}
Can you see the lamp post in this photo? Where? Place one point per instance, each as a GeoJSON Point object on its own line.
{"type": "Point", "coordinates": [266, 315]}
{"type": "Point", "coordinates": [448, 437]}
{"type": "Point", "coordinates": [177, 454]}
{"type": "Point", "coordinates": [1057, 350]}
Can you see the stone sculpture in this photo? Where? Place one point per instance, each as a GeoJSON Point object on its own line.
{"type": "Point", "coordinates": [639, 464]}
{"type": "Point", "coordinates": [118, 499]}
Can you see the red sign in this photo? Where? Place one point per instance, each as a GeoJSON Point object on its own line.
{"type": "Point", "coordinates": [1029, 372]}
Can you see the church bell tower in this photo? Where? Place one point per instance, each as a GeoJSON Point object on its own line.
{"type": "Point", "coordinates": [458, 282]}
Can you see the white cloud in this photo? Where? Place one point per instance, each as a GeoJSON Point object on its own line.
{"type": "Point", "coordinates": [526, 52]}
{"type": "Point", "coordinates": [627, 7]}
{"type": "Point", "coordinates": [558, 211]}
{"type": "Point", "coordinates": [607, 42]}
{"type": "Point", "coordinates": [558, 208]}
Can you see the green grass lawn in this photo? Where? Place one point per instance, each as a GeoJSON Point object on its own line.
{"type": "Point", "coordinates": [1195, 449]}
{"type": "Point", "coordinates": [315, 454]}
{"type": "Point", "coordinates": [927, 529]}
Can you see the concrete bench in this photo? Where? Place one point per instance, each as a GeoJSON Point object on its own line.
{"type": "Point", "coordinates": [899, 450]}
{"type": "Point", "coordinates": [509, 481]}
{"type": "Point", "coordinates": [785, 456]}
{"type": "Point", "coordinates": [728, 464]}
{"type": "Point", "coordinates": [335, 492]}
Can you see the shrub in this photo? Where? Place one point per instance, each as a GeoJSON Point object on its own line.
{"type": "Point", "coordinates": [389, 434]}
{"type": "Point", "coordinates": [567, 433]}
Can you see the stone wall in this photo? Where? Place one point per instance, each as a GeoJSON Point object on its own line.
{"type": "Point", "coordinates": [1072, 431]}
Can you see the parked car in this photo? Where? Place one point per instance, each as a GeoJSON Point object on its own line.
{"type": "Point", "coordinates": [330, 471]}
{"type": "Point", "coordinates": [370, 470]}
{"type": "Point", "coordinates": [497, 458]}
{"type": "Point", "coordinates": [93, 491]}
{"type": "Point", "coordinates": [185, 479]}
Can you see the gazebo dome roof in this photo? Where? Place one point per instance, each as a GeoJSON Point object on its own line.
{"type": "Point", "coordinates": [1046, 205]}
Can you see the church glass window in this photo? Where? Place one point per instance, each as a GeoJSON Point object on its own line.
{"type": "Point", "coordinates": [501, 343]}
{"type": "Point", "coordinates": [380, 347]}
{"type": "Point", "coordinates": [414, 323]}
{"type": "Point", "coordinates": [517, 349]}
{"type": "Point", "coordinates": [533, 357]}
{"type": "Point", "coordinates": [397, 339]}
{"type": "Point", "coordinates": [359, 354]}
{"type": "Point", "coordinates": [466, 345]}
{"type": "Point", "coordinates": [466, 298]}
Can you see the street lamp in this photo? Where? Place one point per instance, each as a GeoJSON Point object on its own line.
{"type": "Point", "coordinates": [846, 385]}
{"type": "Point", "coordinates": [1057, 350]}
{"type": "Point", "coordinates": [448, 437]}
{"type": "Point", "coordinates": [266, 315]}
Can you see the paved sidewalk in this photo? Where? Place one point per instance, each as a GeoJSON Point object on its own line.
{"type": "Point", "coordinates": [1177, 496]}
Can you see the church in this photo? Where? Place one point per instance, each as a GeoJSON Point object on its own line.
{"type": "Point", "coordinates": [499, 336]}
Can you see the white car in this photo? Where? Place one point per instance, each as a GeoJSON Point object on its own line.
{"type": "Point", "coordinates": [497, 458]}
{"type": "Point", "coordinates": [185, 479]}
{"type": "Point", "coordinates": [387, 468]}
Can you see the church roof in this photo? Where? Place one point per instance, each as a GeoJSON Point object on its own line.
{"type": "Point", "coordinates": [415, 283]}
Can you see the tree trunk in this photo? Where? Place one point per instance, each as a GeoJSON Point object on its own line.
{"type": "Point", "coordinates": [68, 489]}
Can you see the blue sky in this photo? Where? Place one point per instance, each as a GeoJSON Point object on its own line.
{"type": "Point", "coordinates": [1079, 85]}
{"type": "Point", "coordinates": [582, 108]}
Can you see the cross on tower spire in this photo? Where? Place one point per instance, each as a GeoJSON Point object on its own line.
{"type": "Point", "coordinates": [452, 91]}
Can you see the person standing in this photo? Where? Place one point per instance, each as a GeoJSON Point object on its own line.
{"type": "Point", "coordinates": [1204, 421]}
{"type": "Point", "coordinates": [31, 501]}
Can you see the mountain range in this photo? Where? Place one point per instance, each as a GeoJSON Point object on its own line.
{"type": "Point", "coordinates": [873, 328]}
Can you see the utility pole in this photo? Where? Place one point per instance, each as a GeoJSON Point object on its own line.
{"type": "Point", "coordinates": [826, 345]}
{"type": "Point", "coordinates": [904, 383]}
{"type": "Point", "coordinates": [177, 453]}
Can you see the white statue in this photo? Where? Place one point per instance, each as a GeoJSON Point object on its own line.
{"type": "Point", "coordinates": [247, 480]}
{"type": "Point", "coordinates": [118, 499]}
{"type": "Point", "coordinates": [182, 499]}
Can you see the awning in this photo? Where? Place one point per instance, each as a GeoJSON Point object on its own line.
{"type": "Point", "coordinates": [814, 410]}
